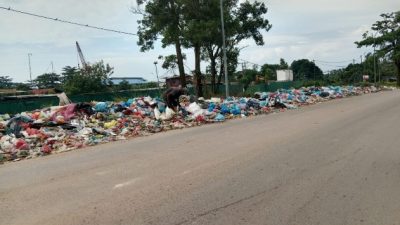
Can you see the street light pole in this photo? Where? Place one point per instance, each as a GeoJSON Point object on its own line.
{"type": "Point", "coordinates": [374, 36]}
{"type": "Point", "coordinates": [224, 51]}
{"type": "Point", "coordinates": [374, 67]}
{"type": "Point", "coordinates": [158, 81]}
{"type": "Point", "coordinates": [379, 70]}
{"type": "Point", "coordinates": [30, 68]}
{"type": "Point", "coordinates": [361, 68]}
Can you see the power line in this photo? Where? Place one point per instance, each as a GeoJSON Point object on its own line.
{"type": "Point", "coordinates": [334, 62]}
{"type": "Point", "coordinates": [250, 62]}
{"type": "Point", "coordinates": [325, 63]}
{"type": "Point", "coordinates": [66, 21]}
{"type": "Point", "coordinates": [335, 66]}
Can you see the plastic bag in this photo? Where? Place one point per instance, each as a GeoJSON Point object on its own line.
{"type": "Point", "coordinates": [101, 107]}
{"type": "Point", "coordinates": [219, 118]}
{"type": "Point", "coordinates": [195, 109]}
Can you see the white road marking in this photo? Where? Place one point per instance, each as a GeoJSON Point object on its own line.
{"type": "Point", "coordinates": [129, 182]}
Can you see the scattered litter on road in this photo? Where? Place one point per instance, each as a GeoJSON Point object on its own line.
{"type": "Point", "coordinates": [73, 126]}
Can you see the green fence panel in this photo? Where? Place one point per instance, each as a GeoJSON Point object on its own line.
{"type": "Point", "coordinates": [13, 106]}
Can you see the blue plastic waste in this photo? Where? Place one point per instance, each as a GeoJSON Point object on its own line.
{"type": "Point", "coordinates": [235, 110]}
{"type": "Point", "coordinates": [129, 102]}
{"type": "Point", "coordinates": [225, 109]}
{"type": "Point", "coordinates": [303, 98]}
{"type": "Point", "coordinates": [243, 100]}
{"type": "Point", "coordinates": [211, 107]}
{"type": "Point", "coordinates": [161, 106]}
{"type": "Point", "coordinates": [101, 107]}
{"type": "Point", "coordinates": [264, 95]}
{"type": "Point", "coordinates": [230, 99]}
{"type": "Point", "coordinates": [263, 103]}
{"type": "Point", "coordinates": [220, 117]}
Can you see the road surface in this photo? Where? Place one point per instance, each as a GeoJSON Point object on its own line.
{"type": "Point", "coordinates": [332, 163]}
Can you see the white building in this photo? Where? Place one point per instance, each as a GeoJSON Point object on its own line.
{"type": "Point", "coordinates": [284, 75]}
{"type": "Point", "coordinates": [131, 80]}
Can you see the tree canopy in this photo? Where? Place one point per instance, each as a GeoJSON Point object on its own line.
{"type": "Point", "coordinates": [162, 18]}
{"type": "Point", "coordinates": [197, 24]}
{"type": "Point", "coordinates": [242, 21]}
{"type": "Point", "coordinates": [305, 69]}
{"type": "Point", "coordinates": [5, 82]}
{"type": "Point", "coordinates": [48, 80]}
{"type": "Point", "coordinates": [385, 35]}
{"type": "Point", "coordinates": [96, 80]}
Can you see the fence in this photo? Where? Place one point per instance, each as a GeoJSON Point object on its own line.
{"type": "Point", "coordinates": [13, 106]}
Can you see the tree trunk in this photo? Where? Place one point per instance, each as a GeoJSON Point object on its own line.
{"type": "Point", "coordinates": [199, 88]}
{"type": "Point", "coordinates": [213, 64]}
{"type": "Point", "coordinates": [179, 57]}
{"type": "Point", "coordinates": [213, 73]}
{"type": "Point", "coordinates": [221, 73]}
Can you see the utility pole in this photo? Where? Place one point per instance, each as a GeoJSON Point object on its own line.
{"type": "Point", "coordinates": [354, 77]}
{"type": "Point", "coordinates": [374, 36]}
{"type": "Point", "coordinates": [374, 67]}
{"type": "Point", "coordinates": [30, 69]}
{"type": "Point", "coordinates": [361, 68]}
{"type": "Point", "coordinates": [224, 51]}
{"type": "Point", "coordinates": [158, 80]}
{"type": "Point", "coordinates": [379, 70]}
{"type": "Point", "coordinates": [314, 68]}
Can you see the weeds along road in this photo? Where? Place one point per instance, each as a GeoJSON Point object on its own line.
{"type": "Point", "coordinates": [332, 163]}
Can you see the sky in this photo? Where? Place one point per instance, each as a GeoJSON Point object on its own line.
{"type": "Point", "coordinates": [320, 30]}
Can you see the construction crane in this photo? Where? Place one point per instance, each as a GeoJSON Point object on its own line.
{"type": "Point", "coordinates": [85, 65]}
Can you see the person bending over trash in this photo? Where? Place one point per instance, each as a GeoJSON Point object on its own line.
{"type": "Point", "coordinates": [64, 100]}
{"type": "Point", "coordinates": [172, 96]}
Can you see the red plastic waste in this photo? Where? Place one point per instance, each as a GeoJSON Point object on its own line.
{"type": "Point", "coordinates": [46, 149]}
{"type": "Point", "coordinates": [21, 145]}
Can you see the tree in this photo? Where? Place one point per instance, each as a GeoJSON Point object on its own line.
{"type": "Point", "coordinates": [351, 74]}
{"type": "Point", "coordinates": [196, 24]}
{"type": "Point", "coordinates": [23, 87]}
{"type": "Point", "coordinates": [304, 69]}
{"type": "Point", "coordinates": [95, 80]}
{"type": "Point", "coordinates": [386, 69]}
{"type": "Point", "coordinates": [269, 74]}
{"type": "Point", "coordinates": [5, 82]}
{"type": "Point", "coordinates": [386, 38]}
{"type": "Point", "coordinates": [170, 62]}
{"type": "Point", "coordinates": [242, 21]}
{"type": "Point", "coordinates": [248, 77]}
{"type": "Point", "coordinates": [124, 85]}
{"type": "Point", "coordinates": [283, 64]}
{"type": "Point", "coordinates": [269, 70]}
{"type": "Point", "coordinates": [48, 80]}
{"type": "Point", "coordinates": [162, 18]}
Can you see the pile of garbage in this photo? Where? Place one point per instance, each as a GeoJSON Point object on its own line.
{"type": "Point", "coordinates": [64, 128]}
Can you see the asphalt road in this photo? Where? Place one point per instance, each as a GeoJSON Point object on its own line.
{"type": "Point", "coordinates": [331, 163]}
